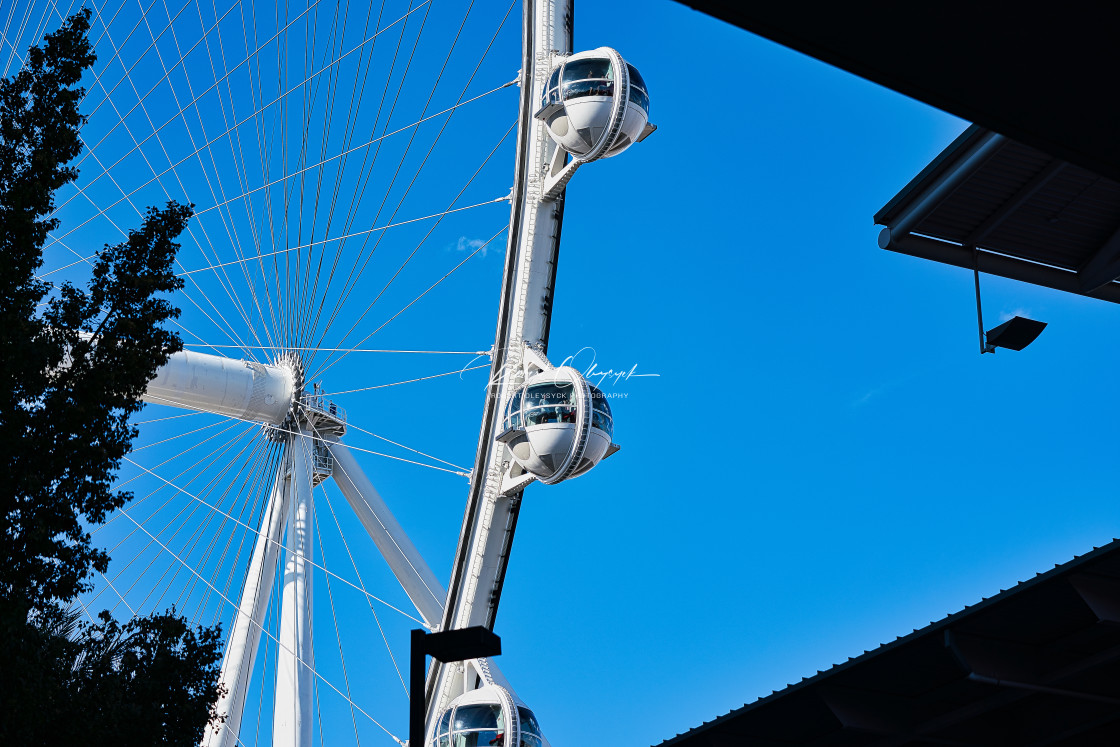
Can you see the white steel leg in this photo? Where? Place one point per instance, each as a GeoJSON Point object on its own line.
{"type": "Point", "coordinates": [245, 635]}
{"type": "Point", "coordinates": [414, 575]}
{"type": "Point", "coordinates": [292, 718]}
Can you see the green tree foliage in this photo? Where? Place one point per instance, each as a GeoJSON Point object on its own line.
{"type": "Point", "coordinates": [73, 365]}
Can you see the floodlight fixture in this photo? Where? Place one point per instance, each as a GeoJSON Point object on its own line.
{"type": "Point", "coordinates": [1014, 334]}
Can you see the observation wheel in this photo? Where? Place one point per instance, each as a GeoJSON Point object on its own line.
{"type": "Point", "coordinates": [354, 219]}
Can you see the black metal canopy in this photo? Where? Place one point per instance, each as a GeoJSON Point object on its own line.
{"type": "Point", "coordinates": [1009, 209]}
{"type": "Point", "coordinates": [1038, 664]}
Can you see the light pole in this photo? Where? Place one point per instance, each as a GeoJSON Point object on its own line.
{"type": "Point", "coordinates": [452, 645]}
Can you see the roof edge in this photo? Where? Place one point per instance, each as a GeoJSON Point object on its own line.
{"type": "Point", "coordinates": [934, 627]}
{"type": "Point", "coordinates": [945, 161]}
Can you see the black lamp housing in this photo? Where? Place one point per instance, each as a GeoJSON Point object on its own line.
{"type": "Point", "coordinates": [1014, 334]}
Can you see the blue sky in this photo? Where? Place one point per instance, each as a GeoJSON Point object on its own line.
{"type": "Point", "coordinates": [822, 461]}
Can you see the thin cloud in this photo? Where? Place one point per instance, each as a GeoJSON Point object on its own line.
{"type": "Point", "coordinates": [469, 245]}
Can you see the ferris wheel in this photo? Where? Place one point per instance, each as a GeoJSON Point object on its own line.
{"type": "Point", "coordinates": [349, 167]}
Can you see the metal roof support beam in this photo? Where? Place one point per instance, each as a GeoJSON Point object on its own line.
{"type": "Point", "coordinates": [1100, 594]}
{"type": "Point", "coordinates": [1028, 190]}
{"type": "Point", "coordinates": [867, 712]}
{"type": "Point", "coordinates": [995, 264]}
{"type": "Point", "coordinates": [922, 205]}
{"type": "Point", "coordinates": [1103, 267]}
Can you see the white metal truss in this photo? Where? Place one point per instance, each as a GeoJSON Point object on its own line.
{"type": "Point", "coordinates": [531, 257]}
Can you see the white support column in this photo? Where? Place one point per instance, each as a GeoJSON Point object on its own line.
{"type": "Point", "coordinates": [245, 635]}
{"type": "Point", "coordinates": [295, 697]}
{"type": "Point", "coordinates": [414, 575]}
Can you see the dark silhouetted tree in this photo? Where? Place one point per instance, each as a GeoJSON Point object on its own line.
{"type": "Point", "coordinates": [73, 365]}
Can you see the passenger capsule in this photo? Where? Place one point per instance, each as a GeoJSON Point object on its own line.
{"type": "Point", "coordinates": [595, 105]}
{"type": "Point", "coordinates": [490, 716]}
{"type": "Point", "coordinates": [557, 425]}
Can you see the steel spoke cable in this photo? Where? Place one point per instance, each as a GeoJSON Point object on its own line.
{"type": "Point", "coordinates": [224, 280]}
{"type": "Point", "coordinates": [89, 260]}
{"type": "Point", "coordinates": [308, 100]}
{"type": "Point", "coordinates": [337, 634]}
{"type": "Point", "coordinates": [351, 127]}
{"type": "Point", "coordinates": [334, 359]}
{"type": "Point", "coordinates": [160, 81]}
{"type": "Point", "coordinates": [190, 232]}
{"type": "Point", "coordinates": [350, 425]}
{"type": "Point", "coordinates": [169, 417]}
{"type": "Point", "coordinates": [19, 34]}
{"type": "Point", "coordinates": [101, 211]}
{"type": "Point", "coordinates": [366, 156]}
{"type": "Point", "coordinates": [98, 16]}
{"type": "Point", "coordinates": [175, 437]}
{"type": "Point", "coordinates": [359, 147]}
{"type": "Point", "coordinates": [407, 381]}
{"type": "Point", "coordinates": [223, 449]}
{"type": "Point", "coordinates": [426, 157]}
{"type": "Point", "coordinates": [340, 238]}
{"type": "Point", "coordinates": [347, 140]}
{"type": "Point", "coordinates": [180, 523]}
{"type": "Point", "coordinates": [378, 453]}
{"type": "Point", "coordinates": [230, 234]}
{"type": "Point", "coordinates": [352, 281]}
{"type": "Point", "coordinates": [276, 640]}
{"type": "Point", "coordinates": [250, 474]}
{"type": "Point", "coordinates": [138, 501]}
{"type": "Point", "coordinates": [279, 544]}
{"type": "Point", "coordinates": [231, 424]}
{"type": "Point", "coordinates": [268, 476]}
{"type": "Point", "coordinates": [263, 154]}
{"type": "Point", "coordinates": [242, 171]}
{"type": "Point", "coordinates": [405, 556]}
{"type": "Point", "coordinates": [7, 26]}
{"type": "Point", "coordinates": [140, 58]}
{"type": "Point", "coordinates": [404, 155]}
{"type": "Point", "coordinates": [474, 353]}
{"type": "Point", "coordinates": [119, 595]}
{"type": "Point", "coordinates": [372, 609]}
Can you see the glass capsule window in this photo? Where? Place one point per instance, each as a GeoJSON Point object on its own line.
{"type": "Point", "coordinates": [530, 729]}
{"type": "Point", "coordinates": [552, 393]}
{"type": "Point", "coordinates": [636, 79]}
{"type": "Point", "coordinates": [601, 412]}
{"type": "Point", "coordinates": [513, 411]}
{"type": "Point", "coordinates": [595, 68]}
{"type": "Point", "coordinates": [443, 737]}
{"type": "Point", "coordinates": [552, 89]}
{"type": "Point", "coordinates": [478, 726]}
{"type": "Point", "coordinates": [550, 415]}
{"type": "Point", "coordinates": [639, 94]}
{"type": "Point", "coordinates": [639, 98]}
{"type": "Point", "coordinates": [545, 404]}
{"type": "Point", "coordinates": [593, 77]}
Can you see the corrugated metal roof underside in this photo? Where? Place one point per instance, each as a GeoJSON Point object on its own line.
{"type": "Point", "coordinates": [1038, 664]}
{"type": "Point", "coordinates": [1018, 202]}
{"type": "Point", "coordinates": [1062, 224]}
